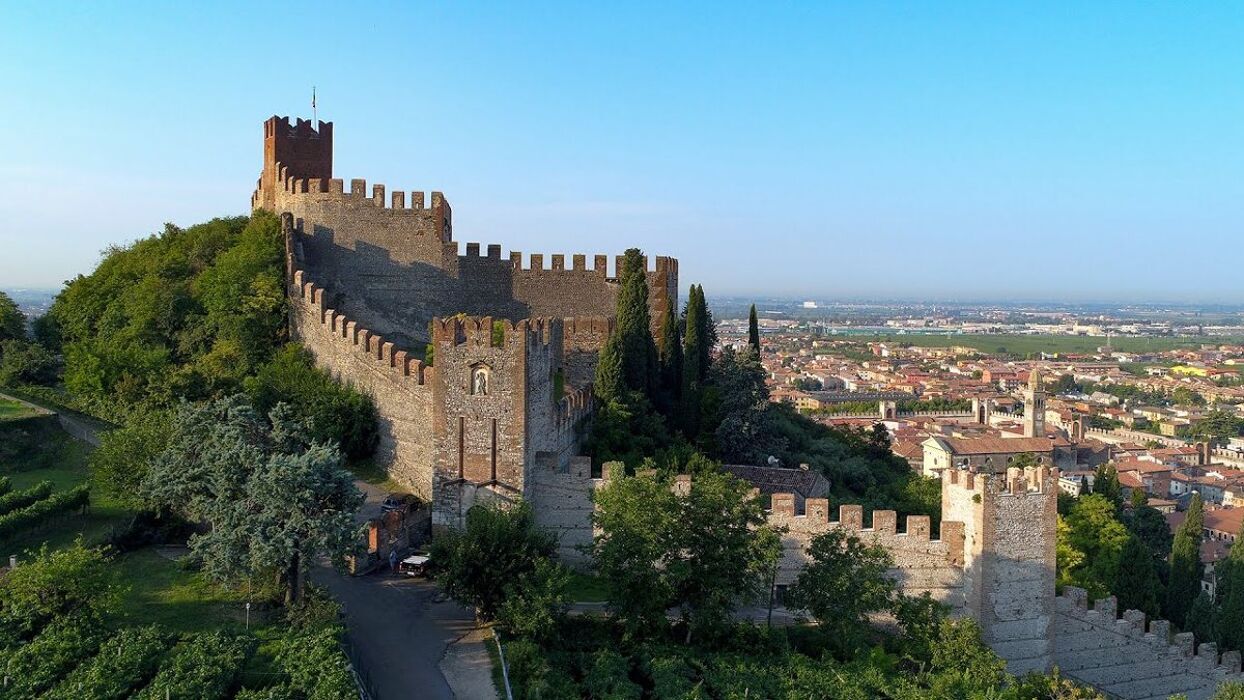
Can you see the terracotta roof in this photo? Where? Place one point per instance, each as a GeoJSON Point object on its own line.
{"type": "Point", "coordinates": [995, 445]}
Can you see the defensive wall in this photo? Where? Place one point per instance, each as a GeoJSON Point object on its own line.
{"type": "Point", "coordinates": [1131, 660]}
{"type": "Point", "coordinates": [993, 558]}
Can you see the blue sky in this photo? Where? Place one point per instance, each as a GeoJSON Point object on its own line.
{"type": "Point", "coordinates": [1090, 151]}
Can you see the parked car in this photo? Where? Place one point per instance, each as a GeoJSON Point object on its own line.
{"type": "Point", "coordinates": [414, 565]}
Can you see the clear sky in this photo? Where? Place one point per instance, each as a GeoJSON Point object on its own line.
{"type": "Point", "coordinates": [1089, 151]}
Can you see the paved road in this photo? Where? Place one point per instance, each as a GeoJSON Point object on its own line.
{"type": "Point", "coordinates": [399, 632]}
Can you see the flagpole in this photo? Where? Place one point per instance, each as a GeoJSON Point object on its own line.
{"type": "Point", "coordinates": [314, 114]}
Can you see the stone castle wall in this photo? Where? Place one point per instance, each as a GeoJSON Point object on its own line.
{"type": "Point", "coordinates": [356, 356]}
{"type": "Point", "coordinates": [1130, 660]}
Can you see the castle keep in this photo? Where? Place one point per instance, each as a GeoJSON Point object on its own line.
{"type": "Point", "coordinates": [480, 366]}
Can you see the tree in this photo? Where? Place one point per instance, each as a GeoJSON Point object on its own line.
{"type": "Point", "coordinates": [753, 330]}
{"type": "Point", "coordinates": [1203, 619]}
{"type": "Point", "coordinates": [1106, 483]}
{"type": "Point", "coordinates": [273, 498]}
{"type": "Point", "coordinates": [609, 384]}
{"type": "Point", "coordinates": [26, 363]}
{"type": "Point", "coordinates": [1231, 613]}
{"type": "Point", "coordinates": [1148, 524]}
{"type": "Point", "coordinates": [499, 548]}
{"type": "Point", "coordinates": [635, 347]}
{"type": "Point", "coordinates": [1024, 459]}
{"type": "Point", "coordinates": [1138, 499]}
{"type": "Point", "coordinates": [1136, 583]}
{"type": "Point", "coordinates": [1186, 567]}
{"type": "Point", "coordinates": [702, 550]}
{"type": "Point", "coordinates": [54, 583]}
{"type": "Point", "coordinates": [1094, 532]}
{"type": "Point", "coordinates": [739, 418]}
{"type": "Point", "coordinates": [669, 354]}
{"type": "Point", "coordinates": [842, 562]}
{"type": "Point", "coordinates": [696, 351]}
{"type": "Point", "coordinates": [536, 602]}
{"type": "Point", "coordinates": [12, 320]}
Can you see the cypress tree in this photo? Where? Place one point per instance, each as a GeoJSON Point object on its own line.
{"type": "Point", "coordinates": [1136, 582]}
{"type": "Point", "coordinates": [1231, 615]}
{"type": "Point", "coordinates": [670, 359]}
{"type": "Point", "coordinates": [708, 334]}
{"type": "Point", "coordinates": [635, 347]}
{"type": "Point", "coordinates": [1106, 482]}
{"type": "Point", "coordinates": [609, 385]}
{"type": "Point", "coordinates": [692, 370]}
{"type": "Point", "coordinates": [1186, 569]}
{"type": "Point", "coordinates": [753, 330]}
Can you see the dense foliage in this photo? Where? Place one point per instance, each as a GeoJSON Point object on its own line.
{"type": "Point", "coordinates": [189, 314]}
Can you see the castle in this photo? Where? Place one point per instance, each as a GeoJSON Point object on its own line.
{"type": "Point", "coordinates": [480, 367]}
{"type": "Point", "coordinates": [378, 283]}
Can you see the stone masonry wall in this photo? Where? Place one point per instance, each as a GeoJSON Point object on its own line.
{"type": "Point", "coordinates": [396, 381]}
{"type": "Point", "coordinates": [1131, 661]}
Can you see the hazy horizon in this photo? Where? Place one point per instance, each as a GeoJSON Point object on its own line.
{"type": "Point", "coordinates": [974, 152]}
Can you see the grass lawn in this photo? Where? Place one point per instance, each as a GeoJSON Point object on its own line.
{"type": "Point", "coordinates": [12, 409]}
{"type": "Point", "coordinates": [165, 592]}
{"type": "Point", "coordinates": [586, 588]}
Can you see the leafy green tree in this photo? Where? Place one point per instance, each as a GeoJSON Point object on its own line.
{"type": "Point", "coordinates": [1136, 581]}
{"type": "Point", "coordinates": [740, 420]}
{"type": "Point", "coordinates": [120, 464]}
{"type": "Point", "coordinates": [609, 383]}
{"type": "Point", "coordinates": [12, 320]}
{"type": "Point", "coordinates": [274, 498]}
{"type": "Point", "coordinates": [1138, 499]}
{"type": "Point", "coordinates": [1091, 542]}
{"type": "Point", "coordinates": [337, 413]}
{"type": "Point", "coordinates": [841, 562]}
{"type": "Point", "coordinates": [702, 550]}
{"type": "Point", "coordinates": [497, 549]}
{"type": "Point", "coordinates": [536, 602]}
{"type": "Point", "coordinates": [695, 363]}
{"type": "Point", "coordinates": [1203, 619]}
{"type": "Point", "coordinates": [753, 330]}
{"type": "Point", "coordinates": [1186, 567]}
{"type": "Point", "coordinates": [52, 584]}
{"type": "Point", "coordinates": [1106, 483]}
{"type": "Point", "coordinates": [1148, 524]}
{"type": "Point", "coordinates": [26, 363]}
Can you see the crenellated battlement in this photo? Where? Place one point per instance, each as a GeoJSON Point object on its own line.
{"type": "Point", "coordinates": [482, 331]}
{"type": "Point", "coordinates": [572, 408]}
{"type": "Point", "coordinates": [1098, 646]}
{"type": "Point", "coordinates": [578, 262]}
{"type": "Point", "coordinates": [816, 518]}
{"type": "Point", "coordinates": [405, 367]}
{"type": "Point", "coordinates": [287, 184]}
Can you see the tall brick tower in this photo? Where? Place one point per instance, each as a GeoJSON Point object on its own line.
{"type": "Point", "coordinates": [305, 152]}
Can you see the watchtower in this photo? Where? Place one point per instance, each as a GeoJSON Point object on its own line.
{"type": "Point", "coordinates": [1034, 406]}
{"type": "Point", "coordinates": [302, 149]}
